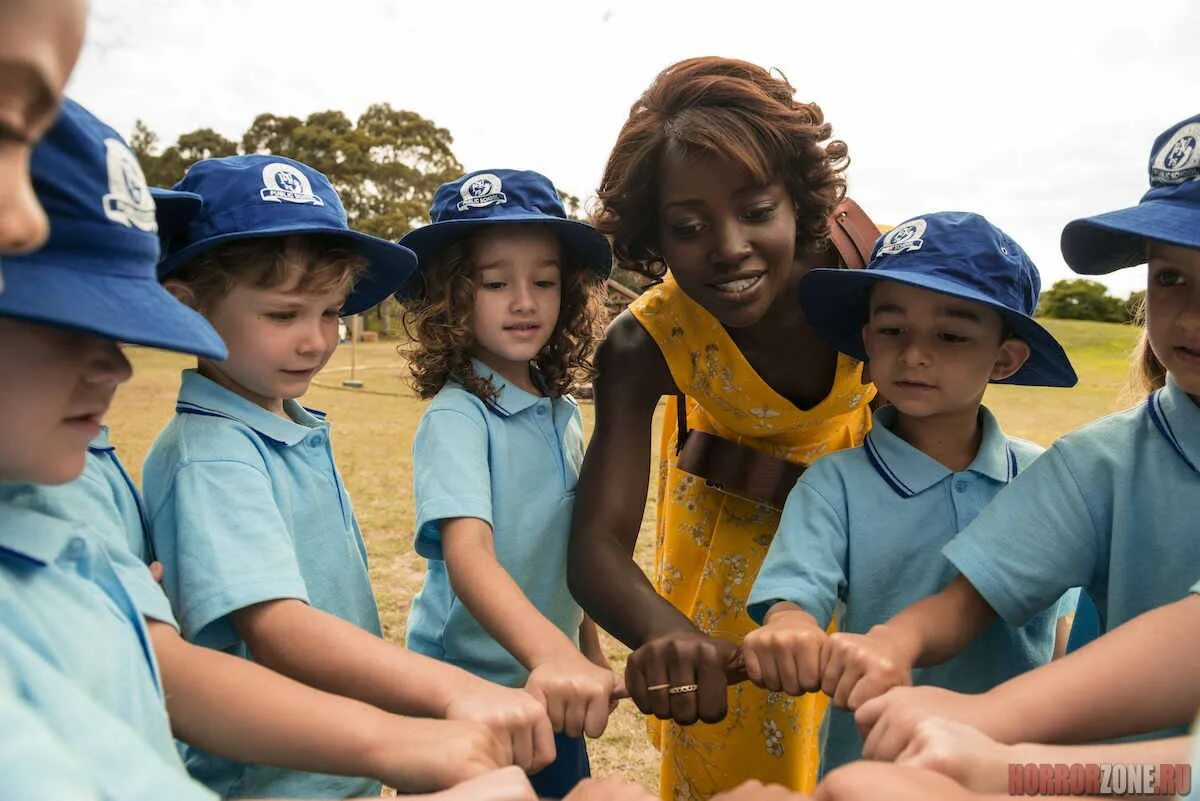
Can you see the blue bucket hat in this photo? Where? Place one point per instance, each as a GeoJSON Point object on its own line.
{"type": "Point", "coordinates": [96, 271]}
{"type": "Point", "coordinates": [489, 197]}
{"type": "Point", "coordinates": [1169, 212]}
{"type": "Point", "coordinates": [266, 196]}
{"type": "Point", "coordinates": [955, 253]}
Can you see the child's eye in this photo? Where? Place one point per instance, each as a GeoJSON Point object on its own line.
{"type": "Point", "coordinates": [761, 213]}
{"type": "Point", "coordinates": [952, 338]}
{"type": "Point", "coordinates": [492, 285]}
{"type": "Point", "coordinates": [333, 312]}
{"type": "Point", "coordinates": [282, 316]}
{"type": "Point", "coordinates": [888, 331]}
{"type": "Point", "coordinates": [547, 284]}
{"type": "Point", "coordinates": [1168, 277]}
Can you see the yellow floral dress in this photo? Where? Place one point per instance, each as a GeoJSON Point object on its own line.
{"type": "Point", "coordinates": [710, 545]}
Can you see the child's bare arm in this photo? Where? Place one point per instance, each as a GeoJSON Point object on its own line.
{"type": "Point", "coordinates": [1146, 684]}
{"type": "Point", "coordinates": [981, 764]}
{"type": "Point", "coordinates": [235, 708]}
{"type": "Point", "coordinates": [326, 652]}
{"type": "Point", "coordinates": [575, 689]}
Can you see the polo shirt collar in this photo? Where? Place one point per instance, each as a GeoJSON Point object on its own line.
{"type": "Point", "coordinates": [909, 471]}
{"type": "Point", "coordinates": [510, 399]}
{"type": "Point", "coordinates": [200, 395]}
{"type": "Point", "coordinates": [100, 442]}
{"type": "Point", "coordinates": [1177, 418]}
{"type": "Point", "coordinates": [33, 535]}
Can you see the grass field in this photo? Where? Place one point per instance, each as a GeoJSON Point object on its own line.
{"type": "Point", "coordinates": [374, 426]}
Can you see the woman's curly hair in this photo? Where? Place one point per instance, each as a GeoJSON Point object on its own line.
{"type": "Point", "coordinates": [438, 321]}
{"type": "Point", "coordinates": [733, 110]}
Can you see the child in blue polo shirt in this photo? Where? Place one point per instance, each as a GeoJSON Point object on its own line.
{"type": "Point", "coordinates": [502, 325]}
{"type": "Point", "coordinates": [942, 310]}
{"type": "Point", "coordinates": [78, 669]}
{"type": "Point", "coordinates": [261, 552]}
{"type": "Point", "coordinates": [1111, 506]}
{"type": "Point", "coordinates": [88, 644]}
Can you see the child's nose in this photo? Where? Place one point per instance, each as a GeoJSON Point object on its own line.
{"type": "Point", "coordinates": [23, 224]}
{"type": "Point", "coordinates": [106, 362]}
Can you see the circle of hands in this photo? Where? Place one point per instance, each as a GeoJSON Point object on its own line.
{"type": "Point", "coordinates": [918, 741]}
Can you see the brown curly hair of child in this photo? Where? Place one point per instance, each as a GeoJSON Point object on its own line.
{"type": "Point", "coordinates": [437, 318]}
{"type": "Point", "coordinates": [731, 110]}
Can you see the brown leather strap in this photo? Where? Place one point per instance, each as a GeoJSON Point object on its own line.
{"type": "Point", "coordinates": [853, 234]}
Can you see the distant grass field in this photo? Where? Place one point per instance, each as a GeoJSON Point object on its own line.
{"type": "Point", "coordinates": [374, 427]}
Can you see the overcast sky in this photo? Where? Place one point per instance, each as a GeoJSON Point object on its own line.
{"type": "Point", "coordinates": [1031, 113]}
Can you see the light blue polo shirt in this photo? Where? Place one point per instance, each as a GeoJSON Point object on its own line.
{"type": "Point", "coordinates": [1111, 507]}
{"type": "Point", "coordinates": [247, 507]}
{"type": "Point", "coordinates": [61, 595]}
{"type": "Point", "coordinates": [512, 463]}
{"type": "Point", "coordinates": [57, 742]}
{"type": "Point", "coordinates": [864, 528]}
{"type": "Point", "coordinates": [104, 499]}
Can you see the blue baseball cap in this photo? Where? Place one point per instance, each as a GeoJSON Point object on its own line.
{"type": "Point", "coordinates": [260, 196]}
{"type": "Point", "coordinates": [489, 197]}
{"type": "Point", "coordinates": [953, 252]}
{"type": "Point", "coordinates": [1169, 212]}
{"type": "Point", "coordinates": [96, 271]}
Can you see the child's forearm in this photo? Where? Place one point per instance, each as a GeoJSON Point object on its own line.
{"type": "Point", "coordinates": [937, 628]}
{"type": "Point", "coordinates": [326, 652]}
{"type": "Point", "coordinates": [1144, 671]}
{"type": "Point", "coordinates": [1173, 750]}
{"type": "Point", "coordinates": [237, 709]}
{"type": "Point", "coordinates": [492, 596]}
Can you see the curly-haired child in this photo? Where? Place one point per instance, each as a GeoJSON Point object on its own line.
{"type": "Point", "coordinates": [503, 324]}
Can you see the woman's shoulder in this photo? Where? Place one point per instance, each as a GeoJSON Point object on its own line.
{"type": "Point", "coordinates": [630, 356]}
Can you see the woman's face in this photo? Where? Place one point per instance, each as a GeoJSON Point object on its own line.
{"type": "Point", "coordinates": [39, 42]}
{"type": "Point", "coordinates": [729, 242]}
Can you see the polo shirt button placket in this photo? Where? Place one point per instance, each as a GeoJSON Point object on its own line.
{"type": "Point", "coordinates": [960, 485]}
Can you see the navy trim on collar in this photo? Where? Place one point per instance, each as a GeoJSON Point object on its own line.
{"type": "Point", "coordinates": [1160, 415]}
{"type": "Point", "coordinates": [909, 471]}
{"type": "Point", "coordinates": [200, 396]}
{"type": "Point", "coordinates": [32, 535]}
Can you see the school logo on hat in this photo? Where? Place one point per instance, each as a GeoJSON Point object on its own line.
{"type": "Point", "coordinates": [1179, 158]}
{"type": "Point", "coordinates": [481, 191]}
{"type": "Point", "coordinates": [902, 238]}
{"type": "Point", "coordinates": [128, 201]}
{"type": "Point", "coordinates": [284, 182]}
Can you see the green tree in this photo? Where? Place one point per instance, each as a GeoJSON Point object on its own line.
{"type": "Point", "coordinates": [385, 165]}
{"type": "Point", "coordinates": [1135, 307]}
{"type": "Point", "coordinates": [1081, 299]}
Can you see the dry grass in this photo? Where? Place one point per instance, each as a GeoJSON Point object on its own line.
{"type": "Point", "coordinates": [373, 435]}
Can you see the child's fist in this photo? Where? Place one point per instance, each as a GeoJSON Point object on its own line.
{"type": "Point", "coordinates": [858, 667]}
{"type": "Point", "coordinates": [577, 694]}
{"type": "Point", "coordinates": [785, 654]}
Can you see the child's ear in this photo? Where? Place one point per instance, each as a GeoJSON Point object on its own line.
{"type": "Point", "coordinates": [181, 291]}
{"type": "Point", "coordinates": [1014, 353]}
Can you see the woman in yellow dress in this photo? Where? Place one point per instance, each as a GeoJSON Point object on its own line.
{"type": "Point", "coordinates": [720, 184]}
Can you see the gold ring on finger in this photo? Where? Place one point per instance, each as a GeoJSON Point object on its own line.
{"type": "Point", "coordinates": [684, 688]}
{"type": "Point", "coordinates": [654, 687]}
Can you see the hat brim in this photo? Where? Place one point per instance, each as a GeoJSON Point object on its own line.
{"type": "Point", "coordinates": [174, 209]}
{"type": "Point", "coordinates": [583, 241]}
{"type": "Point", "coordinates": [835, 302]}
{"type": "Point", "coordinates": [119, 307]}
{"type": "Point", "coordinates": [390, 266]}
{"type": "Point", "coordinates": [1117, 239]}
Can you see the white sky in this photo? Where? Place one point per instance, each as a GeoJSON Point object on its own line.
{"type": "Point", "coordinates": [1030, 113]}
